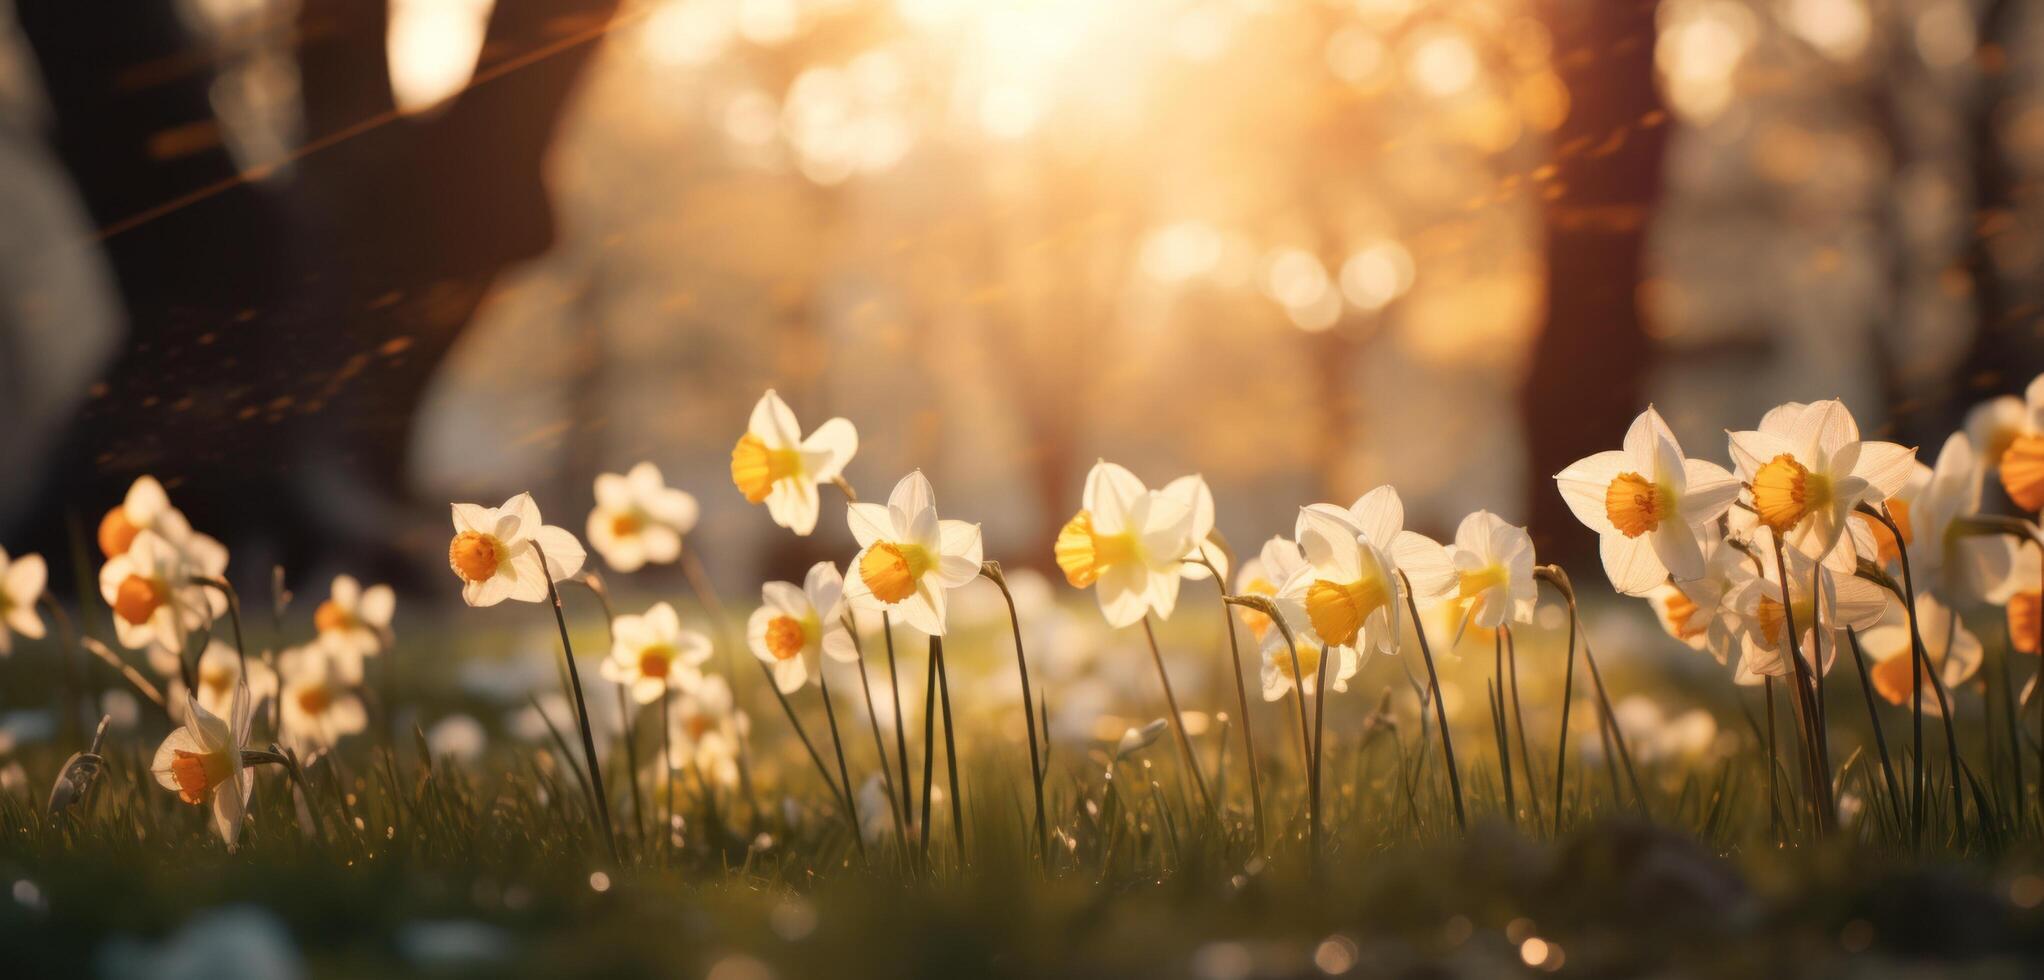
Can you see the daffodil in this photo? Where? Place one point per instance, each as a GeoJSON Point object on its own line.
{"type": "Point", "coordinates": [146, 507]}
{"type": "Point", "coordinates": [1995, 424]}
{"type": "Point", "coordinates": [21, 584]}
{"type": "Point", "coordinates": [1127, 543]}
{"type": "Point", "coordinates": [151, 591]}
{"type": "Point", "coordinates": [1695, 612]}
{"type": "Point", "coordinates": [1808, 469]}
{"type": "Point", "coordinates": [1839, 600]}
{"type": "Point", "coordinates": [639, 518]}
{"type": "Point", "coordinates": [1262, 574]}
{"type": "Point", "coordinates": [1951, 649]}
{"type": "Point", "coordinates": [1648, 504]}
{"type": "Point", "coordinates": [705, 731]}
{"type": "Point", "coordinates": [493, 554]}
{"type": "Point", "coordinates": [908, 557]}
{"type": "Point", "coordinates": [774, 464]}
{"type": "Point", "coordinates": [2021, 459]}
{"type": "Point", "coordinates": [650, 653]}
{"type": "Point", "coordinates": [1345, 593]}
{"type": "Point", "coordinates": [202, 762]}
{"type": "Point", "coordinates": [1277, 667]}
{"type": "Point", "coordinates": [1494, 570]}
{"type": "Point", "coordinates": [796, 624]}
{"type": "Point", "coordinates": [354, 623]}
{"type": "Point", "coordinates": [219, 676]}
{"type": "Point", "coordinates": [318, 707]}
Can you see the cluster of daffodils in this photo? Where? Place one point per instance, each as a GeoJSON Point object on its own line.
{"type": "Point", "coordinates": [1791, 555]}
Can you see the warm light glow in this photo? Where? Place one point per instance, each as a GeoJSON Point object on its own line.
{"type": "Point", "coordinates": [432, 46]}
{"type": "Point", "coordinates": [1443, 65]}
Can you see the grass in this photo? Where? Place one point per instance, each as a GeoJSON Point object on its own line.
{"type": "Point", "coordinates": [393, 852]}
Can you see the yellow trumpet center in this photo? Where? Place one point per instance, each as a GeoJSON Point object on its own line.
{"type": "Point", "coordinates": [116, 532]}
{"type": "Point", "coordinates": [785, 637]}
{"type": "Point", "coordinates": [1892, 678]}
{"type": "Point", "coordinates": [1308, 663]}
{"type": "Point", "coordinates": [1772, 617]}
{"type": "Point", "coordinates": [197, 773]}
{"type": "Point", "coordinates": [474, 555]}
{"type": "Point", "coordinates": [1785, 491]}
{"type": "Point", "coordinates": [625, 525]}
{"type": "Point", "coordinates": [1476, 583]}
{"type": "Point", "coordinates": [138, 598]}
{"type": "Point", "coordinates": [1337, 610]}
{"type": "Point", "coordinates": [2022, 471]}
{"type": "Point", "coordinates": [314, 699]}
{"type": "Point", "coordinates": [1636, 506]}
{"type": "Point", "coordinates": [892, 570]}
{"type": "Point", "coordinates": [1084, 553]}
{"type": "Point", "coordinates": [755, 468]}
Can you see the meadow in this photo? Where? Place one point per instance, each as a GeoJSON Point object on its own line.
{"type": "Point", "coordinates": [1188, 757]}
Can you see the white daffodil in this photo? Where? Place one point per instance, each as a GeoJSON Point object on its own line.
{"type": "Point", "coordinates": [1952, 649]}
{"type": "Point", "coordinates": [318, 708]}
{"type": "Point", "coordinates": [651, 653]}
{"type": "Point", "coordinates": [1346, 592]}
{"type": "Point", "coordinates": [149, 587]}
{"type": "Point", "coordinates": [1995, 424]}
{"type": "Point", "coordinates": [1870, 537]}
{"type": "Point", "coordinates": [2020, 456]}
{"type": "Point", "coordinates": [354, 623]}
{"type": "Point", "coordinates": [1648, 504]}
{"type": "Point", "coordinates": [1696, 611]}
{"type": "Point", "coordinates": [908, 557]}
{"type": "Point", "coordinates": [146, 507]}
{"type": "Point", "coordinates": [1808, 469]}
{"type": "Point", "coordinates": [774, 464]}
{"type": "Point", "coordinates": [219, 677]}
{"type": "Point", "coordinates": [1494, 571]}
{"type": "Point", "coordinates": [1262, 574]}
{"type": "Point", "coordinates": [1193, 492]}
{"type": "Point", "coordinates": [797, 624]}
{"type": "Point", "coordinates": [1277, 667]}
{"type": "Point", "coordinates": [202, 762]}
{"type": "Point", "coordinates": [1127, 542]}
{"type": "Point", "coordinates": [1945, 560]}
{"type": "Point", "coordinates": [705, 731]}
{"type": "Point", "coordinates": [1840, 600]}
{"type": "Point", "coordinates": [639, 519]}
{"type": "Point", "coordinates": [21, 584]}
{"type": "Point", "coordinates": [492, 552]}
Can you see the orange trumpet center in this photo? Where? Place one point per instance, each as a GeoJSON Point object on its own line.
{"type": "Point", "coordinates": [331, 618]}
{"type": "Point", "coordinates": [1083, 553]}
{"type": "Point", "coordinates": [1785, 491]}
{"type": "Point", "coordinates": [116, 532]}
{"type": "Point", "coordinates": [197, 773]}
{"type": "Point", "coordinates": [2022, 471]}
{"type": "Point", "coordinates": [656, 661]}
{"type": "Point", "coordinates": [1338, 610]}
{"type": "Point", "coordinates": [892, 570]}
{"type": "Point", "coordinates": [138, 599]}
{"type": "Point", "coordinates": [314, 699]}
{"type": "Point", "coordinates": [785, 637]}
{"type": "Point", "coordinates": [474, 555]}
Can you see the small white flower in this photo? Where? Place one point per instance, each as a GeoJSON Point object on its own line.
{"type": "Point", "coordinates": [147, 508]}
{"type": "Point", "coordinates": [1345, 593]}
{"type": "Point", "coordinates": [705, 731]}
{"type": "Point", "coordinates": [202, 762]}
{"type": "Point", "coordinates": [1128, 543]}
{"type": "Point", "coordinates": [318, 708]}
{"type": "Point", "coordinates": [21, 584]}
{"type": "Point", "coordinates": [492, 552]}
{"type": "Point", "coordinates": [1695, 611]}
{"type": "Point", "coordinates": [639, 519]}
{"type": "Point", "coordinates": [796, 625]}
{"type": "Point", "coordinates": [1843, 600]}
{"type": "Point", "coordinates": [908, 557]}
{"type": "Point", "coordinates": [1648, 504]}
{"type": "Point", "coordinates": [219, 677]}
{"type": "Point", "coordinates": [774, 464]}
{"type": "Point", "coordinates": [1262, 575]}
{"type": "Point", "coordinates": [354, 623]}
{"type": "Point", "coordinates": [652, 653]}
{"type": "Point", "coordinates": [1277, 667]}
{"type": "Point", "coordinates": [1494, 570]}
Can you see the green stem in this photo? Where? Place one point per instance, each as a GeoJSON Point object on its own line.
{"type": "Point", "coordinates": [1199, 779]}
{"type": "Point", "coordinates": [581, 711]}
{"type": "Point", "coordinates": [992, 571]}
{"type": "Point", "coordinates": [1440, 704]}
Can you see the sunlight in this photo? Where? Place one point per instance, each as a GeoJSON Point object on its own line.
{"type": "Point", "coordinates": [432, 47]}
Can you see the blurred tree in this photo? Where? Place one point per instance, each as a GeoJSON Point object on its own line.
{"type": "Point", "coordinates": [1586, 379]}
